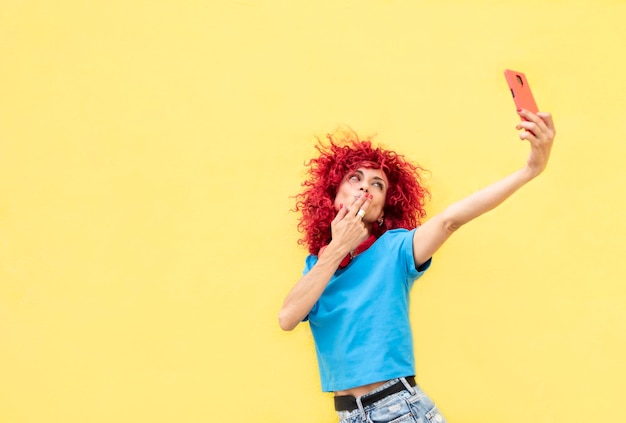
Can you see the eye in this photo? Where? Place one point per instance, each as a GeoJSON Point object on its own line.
{"type": "Point", "coordinates": [379, 185]}
{"type": "Point", "coordinates": [354, 177]}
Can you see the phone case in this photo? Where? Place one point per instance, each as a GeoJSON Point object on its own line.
{"type": "Point", "coordinates": [520, 90]}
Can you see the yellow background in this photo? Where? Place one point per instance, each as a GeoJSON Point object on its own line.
{"type": "Point", "coordinates": [149, 150]}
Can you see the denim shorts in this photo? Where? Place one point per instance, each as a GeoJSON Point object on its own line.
{"type": "Point", "coordinates": [403, 407]}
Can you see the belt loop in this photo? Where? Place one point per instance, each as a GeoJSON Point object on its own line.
{"type": "Point", "coordinates": [361, 409]}
{"type": "Point", "coordinates": [407, 385]}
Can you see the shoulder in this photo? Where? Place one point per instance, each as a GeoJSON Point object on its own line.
{"type": "Point", "coordinates": [395, 240]}
{"type": "Point", "coordinates": [397, 235]}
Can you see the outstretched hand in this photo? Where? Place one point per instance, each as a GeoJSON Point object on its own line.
{"type": "Point", "coordinates": [538, 129]}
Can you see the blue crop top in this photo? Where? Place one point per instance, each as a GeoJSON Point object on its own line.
{"type": "Point", "coordinates": [360, 323]}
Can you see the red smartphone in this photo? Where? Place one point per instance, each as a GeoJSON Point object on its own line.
{"type": "Point", "coordinates": [520, 89]}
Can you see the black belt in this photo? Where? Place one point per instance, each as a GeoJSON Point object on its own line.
{"type": "Point", "coordinates": [348, 402]}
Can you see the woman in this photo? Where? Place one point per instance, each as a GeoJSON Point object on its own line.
{"type": "Point", "coordinates": [361, 208]}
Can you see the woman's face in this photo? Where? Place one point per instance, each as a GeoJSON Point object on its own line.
{"type": "Point", "coordinates": [364, 179]}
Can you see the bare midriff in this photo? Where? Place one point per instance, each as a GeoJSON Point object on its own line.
{"type": "Point", "coordinates": [360, 390]}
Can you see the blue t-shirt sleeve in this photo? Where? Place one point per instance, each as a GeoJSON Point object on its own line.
{"type": "Point", "coordinates": [407, 250]}
{"type": "Point", "coordinates": [424, 266]}
{"type": "Point", "coordinates": [309, 262]}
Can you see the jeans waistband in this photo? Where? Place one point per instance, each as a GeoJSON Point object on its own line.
{"type": "Point", "coordinates": [350, 403]}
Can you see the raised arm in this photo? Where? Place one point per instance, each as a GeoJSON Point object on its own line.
{"type": "Point", "coordinates": [347, 233]}
{"type": "Point", "coordinates": [539, 131]}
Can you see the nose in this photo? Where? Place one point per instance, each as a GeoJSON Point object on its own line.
{"type": "Point", "coordinates": [364, 189]}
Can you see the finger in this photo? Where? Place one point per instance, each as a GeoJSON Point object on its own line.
{"type": "Point", "coordinates": [357, 203]}
{"type": "Point", "coordinates": [531, 117]}
{"type": "Point", "coordinates": [526, 128]}
{"type": "Point", "coordinates": [529, 126]}
{"type": "Point", "coordinates": [528, 136]}
{"type": "Point", "coordinates": [366, 200]}
{"type": "Point", "coordinates": [547, 118]}
{"type": "Point", "coordinates": [343, 211]}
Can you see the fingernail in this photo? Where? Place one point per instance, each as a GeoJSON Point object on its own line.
{"type": "Point", "coordinates": [519, 110]}
{"type": "Point", "coordinates": [371, 196]}
{"type": "Point", "coordinates": [340, 206]}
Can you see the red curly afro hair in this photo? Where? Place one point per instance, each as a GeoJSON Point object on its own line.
{"type": "Point", "coordinates": [345, 152]}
